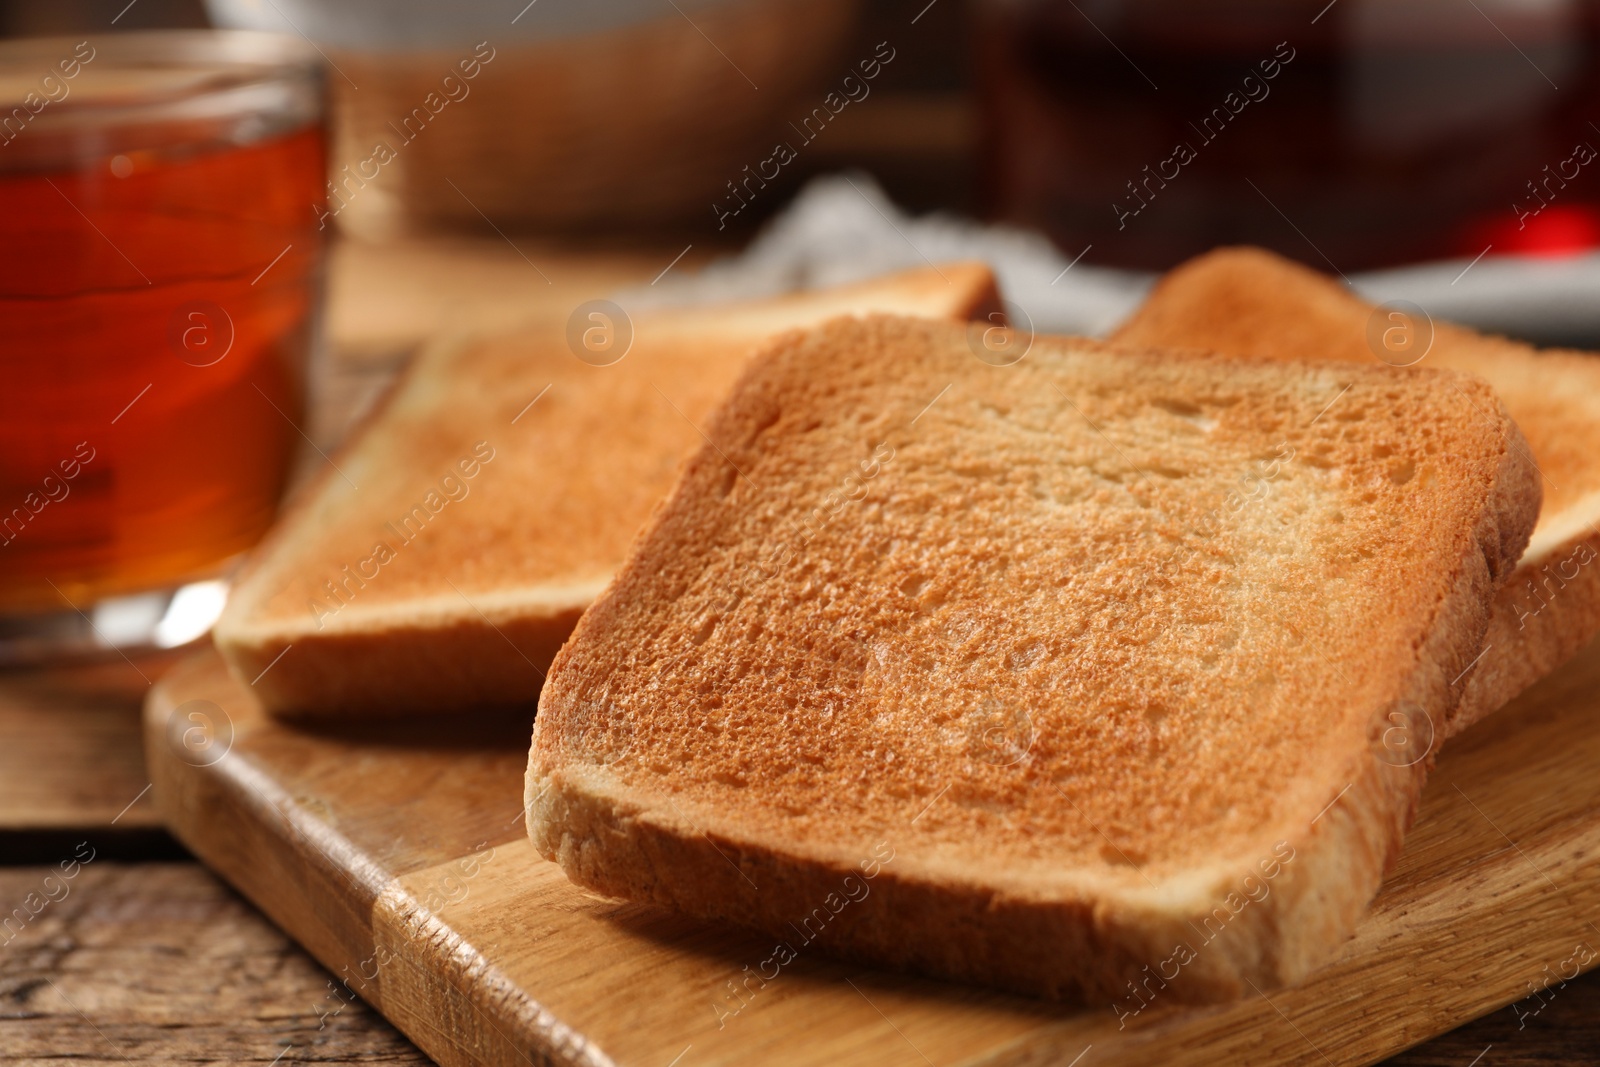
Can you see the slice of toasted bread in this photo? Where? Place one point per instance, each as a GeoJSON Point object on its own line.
{"type": "Point", "coordinates": [448, 550]}
{"type": "Point", "coordinates": [1043, 676]}
{"type": "Point", "coordinates": [1252, 302]}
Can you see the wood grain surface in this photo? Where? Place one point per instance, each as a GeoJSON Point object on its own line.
{"type": "Point", "coordinates": [161, 963]}
{"type": "Point", "coordinates": [72, 756]}
{"type": "Point", "coordinates": [396, 855]}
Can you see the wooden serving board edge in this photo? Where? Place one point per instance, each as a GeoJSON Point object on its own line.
{"type": "Point", "coordinates": [1516, 907]}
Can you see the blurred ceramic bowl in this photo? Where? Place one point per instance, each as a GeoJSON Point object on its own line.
{"type": "Point", "coordinates": [562, 115]}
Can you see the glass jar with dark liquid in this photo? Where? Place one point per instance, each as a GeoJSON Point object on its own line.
{"type": "Point", "coordinates": [1351, 135]}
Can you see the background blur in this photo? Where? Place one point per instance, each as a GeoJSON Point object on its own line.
{"type": "Point", "coordinates": [1356, 134]}
{"type": "Point", "coordinates": [919, 136]}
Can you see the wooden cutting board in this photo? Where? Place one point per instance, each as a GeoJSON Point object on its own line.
{"type": "Point", "coordinates": [395, 853]}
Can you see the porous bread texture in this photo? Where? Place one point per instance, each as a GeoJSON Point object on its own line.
{"type": "Point", "coordinates": [1251, 302]}
{"type": "Point", "coordinates": [1083, 645]}
{"type": "Point", "coordinates": [446, 552]}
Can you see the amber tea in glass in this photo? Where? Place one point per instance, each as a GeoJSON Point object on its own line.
{"type": "Point", "coordinates": [159, 199]}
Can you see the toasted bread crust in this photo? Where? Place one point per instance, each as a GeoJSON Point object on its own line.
{"type": "Point", "coordinates": [661, 820]}
{"type": "Point", "coordinates": [1251, 302]}
{"type": "Point", "coordinates": [472, 608]}
{"type": "Point", "coordinates": [358, 670]}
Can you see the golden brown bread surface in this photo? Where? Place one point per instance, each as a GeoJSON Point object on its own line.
{"type": "Point", "coordinates": [1024, 675]}
{"type": "Point", "coordinates": [449, 552]}
{"type": "Point", "coordinates": [1252, 302]}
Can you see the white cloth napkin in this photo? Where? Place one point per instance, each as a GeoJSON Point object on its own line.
{"type": "Point", "coordinates": [841, 228]}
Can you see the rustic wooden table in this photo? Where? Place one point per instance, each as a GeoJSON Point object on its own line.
{"type": "Point", "coordinates": [162, 963]}
{"type": "Point", "coordinates": [115, 947]}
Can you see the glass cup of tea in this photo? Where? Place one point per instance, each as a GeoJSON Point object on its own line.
{"type": "Point", "coordinates": [160, 196]}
